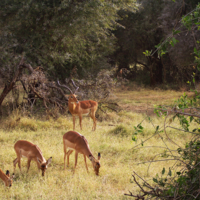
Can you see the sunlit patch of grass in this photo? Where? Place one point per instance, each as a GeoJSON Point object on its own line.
{"type": "Point", "coordinates": [151, 97]}
{"type": "Point", "coordinates": [118, 159]}
{"type": "Point", "coordinates": [14, 121]}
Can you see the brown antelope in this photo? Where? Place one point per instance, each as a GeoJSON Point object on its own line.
{"type": "Point", "coordinates": [75, 141]}
{"type": "Point", "coordinates": [31, 151]}
{"type": "Point", "coordinates": [6, 178]}
{"type": "Point", "coordinates": [80, 108]}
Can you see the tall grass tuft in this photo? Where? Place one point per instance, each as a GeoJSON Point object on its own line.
{"type": "Point", "coordinates": [120, 130]}
{"type": "Point", "coordinates": [26, 123]}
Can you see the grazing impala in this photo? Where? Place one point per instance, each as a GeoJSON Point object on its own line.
{"type": "Point", "coordinates": [79, 108]}
{"type": "Point", "coordinates": [31, 151]}
{"type": "Point", "coordinates": [6, 178]}
{"type": "Point", "coordinates": [75, 141]}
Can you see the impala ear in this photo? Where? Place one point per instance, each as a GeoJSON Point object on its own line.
{"type": "Point", "coordinates": [39, 161]}
{"type": "Point", "coordinates": [49, 161]}
{"type": "Point", "coordinates": [99, 156]}
{"type": "Point", "coordinates": [7, 173]}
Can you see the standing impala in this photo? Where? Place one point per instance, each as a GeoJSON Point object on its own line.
{"type": "Point", "coordinates": [79, 108]}
{"type": "Point", "coordinates": [6, 178]}
{"type": "Point", "coordinates": [31, 151]}
{"type": "Point", "coordinates": [75, 141]}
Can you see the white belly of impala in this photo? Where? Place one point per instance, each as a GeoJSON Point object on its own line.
{"type": "Point", "coordinates": [24, 154]}
{"type": "Point", "coordinates": [69, 145]}
{"type": "Point", "coordinates": [85, 114]}
{"type": "Point", "coordinates": [71, 148]}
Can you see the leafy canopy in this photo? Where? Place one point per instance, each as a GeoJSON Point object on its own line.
{"type": "Point", "coordinates": [59, 33]}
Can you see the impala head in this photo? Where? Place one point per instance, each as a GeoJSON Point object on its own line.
{"type": "Point", "coordinates": [44, 165]}
{"type": "Point", "coordinates": [72, 97]}
{"type": "Point", "coordinates": [9, 181]}
{"type": "Point", "coordinates": [95, 163]}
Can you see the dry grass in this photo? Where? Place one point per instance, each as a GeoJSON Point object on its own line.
{"type": "Point", "coordinates": [113, 138]}
{"type": "Point", "coordinates": [146, 99]}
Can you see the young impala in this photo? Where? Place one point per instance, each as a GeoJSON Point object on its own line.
{"type": "Point", "coordinates": [80, 108]}
{"type": "Point", "coordinates": [75, 141]}
{"type": "Point", "coordinates": [6, 178]}
{"type": "Point", "coordinates": [31, 151]}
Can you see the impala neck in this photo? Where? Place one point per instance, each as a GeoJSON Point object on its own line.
{"type": "Point", "coordinates": [3, 176]}
{"type": "Point", "coordinates": [73, 106]}
{"type": "Point", "coordinates": [88, 153]}
{"type": "Point", "coordinates": [39, 155]}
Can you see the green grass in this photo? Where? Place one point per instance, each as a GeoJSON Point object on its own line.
{"type": "Point", "coordinates": [113, 138]}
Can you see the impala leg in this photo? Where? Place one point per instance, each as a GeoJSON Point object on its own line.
{"type": "Point", "coordinates": [19, 162]}
{"type": "Point", "coordinates": [68, 154]}
{"type": "Point", "coordinates": [95, 123]}
{"type": "Point", "coordinates": [76, 158]}
{"type": "Point", "coordinates": [73, 123]}
{"type": "Point", "coordinates": [14, 163]}
{"type": "Point", "coordinates": [92, 115]}
{"type": "Point", "coordinates": [28, 164]}
{"type": "Point", "coordinates": [80, 121]}
{"type": "Point", "coordinates": [65, 153]}
{"type": "Point", "coordinates": [85, 162]}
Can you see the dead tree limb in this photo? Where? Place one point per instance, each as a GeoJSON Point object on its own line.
{"type": "Point", "coordinates": [10, 86]}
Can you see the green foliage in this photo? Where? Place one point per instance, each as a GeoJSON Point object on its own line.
{"type": "Point", "coordinates": [147, 53]}
{"type": "Point", "coordinates": [132, 36]}
{"type": "Point", "coordinates": [161, 181]}
{"type": "Point", "coordinates": [186, 183]}
{"type": "Point", "coordinates": [138, 130]}
{"type": "Point", "coordinates": [58, 34]}
{"type": "Point", "coordinates": [182, 183]}
{"type": "Point", "coordinates": [189, 21]}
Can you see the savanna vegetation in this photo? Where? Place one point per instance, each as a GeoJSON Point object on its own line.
{"type": "Point", "coordinates": [139, 59]}
{"type": "Point", "coordinates": [113, 138]}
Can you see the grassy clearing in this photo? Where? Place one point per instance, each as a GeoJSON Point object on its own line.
{"type": "Point", "coordinates": [112, 138]}
{"type": "Point", "coordinates": [144, 98]}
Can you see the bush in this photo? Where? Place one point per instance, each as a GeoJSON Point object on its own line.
{"type": "Point", "coordinates": [120, 130]}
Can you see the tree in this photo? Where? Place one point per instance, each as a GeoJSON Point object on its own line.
{"type": "Point", "coordinates": [184, 182]}
{"type": "Point", "coordinates": [59, 34]}
{"type": "Point", "coordinates": [141, 35]}
{"type": "Point", "coordinates": [140, 32]}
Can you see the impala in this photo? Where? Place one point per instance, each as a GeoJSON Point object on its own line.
{"type": "Point", "coordinates": [6, 178]}
{"type": "Point", "coordinates": [80, 108]}
{"type": "Point", "coordinates": [31, 151]}
{"type": "Point", "coordinates": [75, 141]}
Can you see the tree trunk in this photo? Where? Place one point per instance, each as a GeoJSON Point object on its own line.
{"type": "Point", "coordinates": [156, 71]}
{"type": "Point", "coordinates": [9, 87]}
